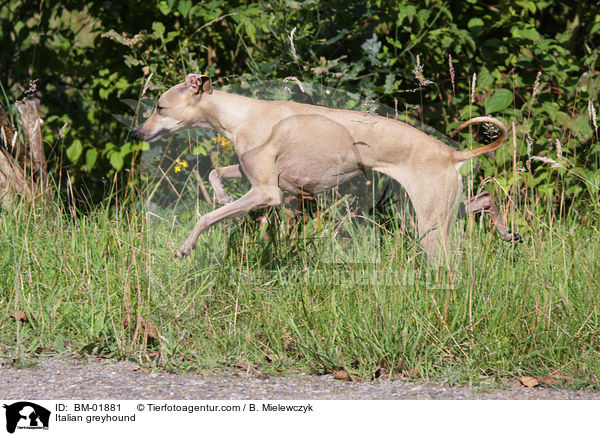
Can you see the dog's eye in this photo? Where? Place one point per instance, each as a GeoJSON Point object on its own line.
{"type": "Point", "coordinates": [159, 108]}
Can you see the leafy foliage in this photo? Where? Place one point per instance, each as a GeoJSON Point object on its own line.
{"type": "Point", "coordinates": [441, 62]}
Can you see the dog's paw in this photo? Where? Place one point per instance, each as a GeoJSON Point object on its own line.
{"type": "Point", "coordinates": [183, 252]}
{"type": "Point", "coordinates": [515, 237]}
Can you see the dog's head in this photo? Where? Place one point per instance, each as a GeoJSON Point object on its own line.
{"type": "Point", "coordinates": [179, 108]}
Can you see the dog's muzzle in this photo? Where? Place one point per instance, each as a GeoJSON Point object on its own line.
{"type": "Point", "coordinates": [137, 135]}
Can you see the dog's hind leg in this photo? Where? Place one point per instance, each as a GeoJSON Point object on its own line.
{"type": "Point", "coordinates": [434, 197]}
{"type": "Point", "coordinates": [483, 202]}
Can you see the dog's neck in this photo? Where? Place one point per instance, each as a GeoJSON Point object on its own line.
{"type": "Point", "coordinates": [225, 112]}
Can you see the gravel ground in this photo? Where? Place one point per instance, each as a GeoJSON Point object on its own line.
{"type": "Point", "coordinates": [63, 378]}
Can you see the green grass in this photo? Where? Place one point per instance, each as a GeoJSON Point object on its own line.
{"type": "Point", "coordinates": [340, 293]}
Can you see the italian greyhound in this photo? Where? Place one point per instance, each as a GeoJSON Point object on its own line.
{"type": "Point", "coordinates": [307, 149]}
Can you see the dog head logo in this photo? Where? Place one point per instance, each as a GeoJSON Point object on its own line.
{"type": "Point", "coordinates": [26, 415]}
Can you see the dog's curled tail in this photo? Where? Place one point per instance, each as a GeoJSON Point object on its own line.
{"type": "Point", "coordinates": [461, 156]}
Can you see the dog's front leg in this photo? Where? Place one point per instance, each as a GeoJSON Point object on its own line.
{"type": "Point", "coordinates": [256, 198]}
{"type": "Point", "coordinates": [215, 177]}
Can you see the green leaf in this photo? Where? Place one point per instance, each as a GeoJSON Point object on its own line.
{"type": "Point", "coordinates": [581, 126]}
{"type": "Point", "coordinates": [525, 33]}
{"type": "Point", "coordinates": [563, 119]}
{"type": "Point", "coordinates": [172, 35]}
{"type": "Point", "coordinates": [475, 25]}
{"type": "Point", "coordinates": [200, 149]}
{"type": "Point", "coordinates": [526, 4]}
{"type": "Point", "coordinates": [500, 100]}
{"type": "Point", "coordinates": [250, 30]}
{"type": "Point", "coordinates": [184, 7]}
{"type": "Point", "coordinates": [116, 160]}
{"type": "Point", "coordinates": [59, 344]}
{"type": "Point", "coordinates": [164, 7]}
{"type": "Point", "coordinates": [372, 45]}
{"type": "Point", "coordinates": [104, 93]}
{"type": "Point", "coordinates": [158, 29]}
{"type": "Point", "coordinates": [90, 158]}
{"type": "Point", "coordinates": [75, 150]}
{"type": "Point", "coordinates": [390, 84]}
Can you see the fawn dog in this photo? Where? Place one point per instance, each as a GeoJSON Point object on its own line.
{"type": "Point", "coordinates": [306, 149]}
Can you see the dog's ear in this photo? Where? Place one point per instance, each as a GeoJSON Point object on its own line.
{"type": "Point", "coordinates": [199, 83]}
{"type": "Point", "coordinates": [206, 84]}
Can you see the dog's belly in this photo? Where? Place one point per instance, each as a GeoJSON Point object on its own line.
{"type": "Point", "coordinates": [316, 153]}
{"type": "Point", "coordinates": [297, 183]}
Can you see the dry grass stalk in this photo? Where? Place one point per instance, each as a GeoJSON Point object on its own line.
{"type": "Point", "coordinates": [536, 85]}
{"type": "Point", "coordinates": [295, 80]}
{"type": "Point", "coordinates": [293, 47]}
{"type": "Point", "coordinates": [451, 67]}
{"type": "Point", "coordinates": [558, 150]}
{"type": "Point", "coordinates": [23, 168]}
{"type": "Point", "coordinates": [592, 111]}
{"type": "Point", "coordinates": [418, 72]}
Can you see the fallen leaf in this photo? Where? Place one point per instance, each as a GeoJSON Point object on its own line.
{"type": "Point", "coordinates": [548, 380]}
{"type": "Point", "coordinates": [271, 358]}
{"type": "Point", "coordinates": [342, 375]}
{"type": "Point", "coordinates": [553, 378]}
{"type": "Point", "coordinates": [413, 372]}
{"type": "Point", "coordinates": [529, 382]}
{"type": "Point", "coordinates": [251, 369]}
{"type": "Point", "coordinates": [154, 356]}
{"type": "Point", "coordinates": [150, 331]}
{"type": "Point", "coordinates": [243, 366]}
{"type": "Point", "coordinates": [126, 320]}
{"type": "Point", "coordinates": [382, 373]}
{"type": "Point", "coordinates": [20, 316]}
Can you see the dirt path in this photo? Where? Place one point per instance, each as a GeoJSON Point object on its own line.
{"type": "Point", "coordinates": [60, 378]}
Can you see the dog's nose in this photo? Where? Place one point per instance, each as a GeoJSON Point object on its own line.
{"type": "Point", "coordinates": [137, 135]}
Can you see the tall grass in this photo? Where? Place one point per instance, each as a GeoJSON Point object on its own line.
{"type": "Point", "coordinates": [340, 292]}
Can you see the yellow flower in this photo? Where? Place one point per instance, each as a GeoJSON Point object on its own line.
{"type": "Point", "coordinates": [222, 141]}
{"type": "Point", "coordinates": [180, 165]}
